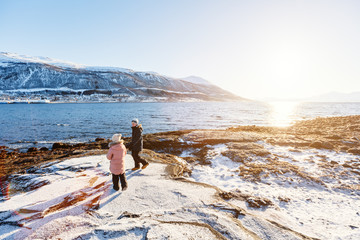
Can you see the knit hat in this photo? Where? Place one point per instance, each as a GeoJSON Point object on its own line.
{"type": "Point", "coordinates": [135, 120]}
{"type": "Point", "coordinates": [116, 138]}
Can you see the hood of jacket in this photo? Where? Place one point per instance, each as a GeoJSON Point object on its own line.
{"type": "Point", "coordinates": [116, 145]}
{"type": "Point", "coordinates": [139, 127]}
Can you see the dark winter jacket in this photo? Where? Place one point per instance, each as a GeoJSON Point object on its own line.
{"type": "Point", "coordinates": [136, 144]}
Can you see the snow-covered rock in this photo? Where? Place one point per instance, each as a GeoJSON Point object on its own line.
{"type": "Point", "coordinates": [323, 203]}
{"type": "Point", "coordinates": [79, 203]}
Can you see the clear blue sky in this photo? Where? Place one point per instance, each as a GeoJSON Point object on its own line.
{"type": "Point", "coordinates": [253, 48]}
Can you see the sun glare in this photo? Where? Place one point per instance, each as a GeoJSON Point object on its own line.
{"type": "Point", "coordinates": [281, 113]}
{"type": "Point", "coordinates": [285, 69]}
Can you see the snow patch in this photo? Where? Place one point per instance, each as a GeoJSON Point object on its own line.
{"type": "Point", "coordinates": [312, 209]}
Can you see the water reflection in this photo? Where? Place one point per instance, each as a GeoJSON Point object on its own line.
{"type": "Point", "coordinates": [40, 125]}
{"type": "Point", "coordinates": [282, 113]}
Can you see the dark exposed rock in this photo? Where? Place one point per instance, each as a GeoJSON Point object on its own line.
{"type": "Point", "coordinates": [44, 149]}
{"type": "Point", "coordinates": [80, 145]}
{"type": "Point", "coordinates": [226, 195]}
{"type": "Point", "coordinates": [99, 139]}
{"type": "Point", "coordinates": [15, 161]}
{"type": "Point", "coordinates": [32, 149]}
{"type": "Point", "coordinates": [258, 202]}
{"type": "Point", "coordinates": [104, 145]}
{"type": "Point", "coordinates": [347, 165]}
{"type": "Point", "coordinates": [284, 199]}
{"type": "Point", "coordinates": [60, 146]}
{"type": "Point", "coordinates": [128, 215]}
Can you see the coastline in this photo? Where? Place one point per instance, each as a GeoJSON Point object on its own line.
{"type": "Point", "coordinates": [340, 134]}
{"type": "Point", "coordinates": [279, 178]}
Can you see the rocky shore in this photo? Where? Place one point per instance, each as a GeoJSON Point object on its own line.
{"type": "Point", "coordinates": [340, 134]}
{"type": "Point", "coordinates": [285, 176]}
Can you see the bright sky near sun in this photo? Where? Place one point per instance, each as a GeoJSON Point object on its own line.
{"type": "Point", "coordinates": [286, 49]}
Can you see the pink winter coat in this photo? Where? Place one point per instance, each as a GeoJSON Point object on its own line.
{"type": "Point", "coordinates": [116, 155]}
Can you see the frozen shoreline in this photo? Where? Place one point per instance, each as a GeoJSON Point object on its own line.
{"type": "Point", "coordinates": [77, 201]}
{"type": "Point", "coordinates": [299, 182]}
{"type": "Point", "coordinates": [81, 204]}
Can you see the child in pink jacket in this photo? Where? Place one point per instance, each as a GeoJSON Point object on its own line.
{"type": "Point", "coordinates": [116, 155]}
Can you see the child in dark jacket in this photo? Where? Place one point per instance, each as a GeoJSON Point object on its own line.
{"type": "Point", "coordinates": [136, 145]}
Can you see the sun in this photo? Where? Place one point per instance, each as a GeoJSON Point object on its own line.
{"type": "Point", "coordinates": [286, 69]}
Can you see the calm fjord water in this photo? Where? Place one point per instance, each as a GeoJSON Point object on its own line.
{"type": "Point", "coordinates": [27, 125]}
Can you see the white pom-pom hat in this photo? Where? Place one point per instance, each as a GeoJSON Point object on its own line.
{"type": "Point", "coordinates": [116, 138]}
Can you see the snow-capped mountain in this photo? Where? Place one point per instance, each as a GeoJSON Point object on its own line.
{"type": "Point", "coordinates": [49, 77]}
{"type": "Point", "coordinates": [196, 80]}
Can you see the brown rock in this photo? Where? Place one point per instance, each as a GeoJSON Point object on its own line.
{"type": "Point", "coordinates": [321, 145]}
{"type": "Point", "coordinates": [32, 149]}
{"type": "Point", "coordinates": [236, 155]}
{"type": "Point", "coordinates": [258, 202]}
{"type": "Point", "coordinates": [284, 199]}
{"type": "Point", "coordinates": [334, 137]}
{"type": "Point", "coordinates": [104, 145]}
{"type": "Point", "coordinates": [60, 146]}
{"type": "Point", "coordinates": [355, 127]}
{"type": "Point", "coordinates": [347, 165]}
{"type": "Point", "coordinates": [344, 148]}
{"type": "Point", "coordinates": [226, 195]}
{"type": "Point", "coordinates": [244, 150]}
{"type": "Point", "coordinates": [355, 151]}
{"type": "Point", "coordinates": [99, 139]}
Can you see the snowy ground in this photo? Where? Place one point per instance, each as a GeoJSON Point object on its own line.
{"type": "Point", "coordinates": [327, 209]}
{"type": "Point", "coordinates": [78, 203]}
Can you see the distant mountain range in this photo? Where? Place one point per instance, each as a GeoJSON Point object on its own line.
{"type": "Point", "coordinates": [39, 77]}
{"type": "Point", "coordinates": [197, 80]}
{"type": "Point", "coordinates": [337, 97]}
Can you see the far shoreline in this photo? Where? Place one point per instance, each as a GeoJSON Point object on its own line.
{"type": "Point", "coordinates": [340, 134]}
{"type": "Point", "coordinates": [82, 102]}
{"type": "Point", "coordinates": [90, 140]}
